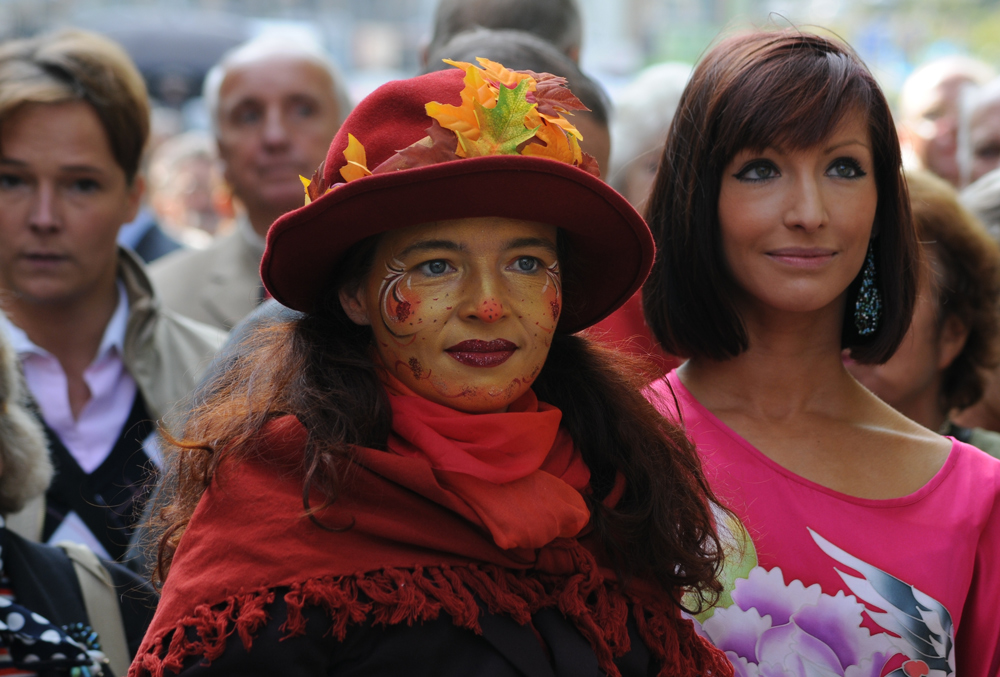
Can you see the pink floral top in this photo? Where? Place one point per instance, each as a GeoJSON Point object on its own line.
{"type": "Point", "coordinates": [826, 584]}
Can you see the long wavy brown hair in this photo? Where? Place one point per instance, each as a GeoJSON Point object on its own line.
{"type": "Point", "coordinates": [318, 368]}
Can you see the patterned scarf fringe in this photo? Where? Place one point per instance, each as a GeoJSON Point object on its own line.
{"type": "Point", "coordinates": [397, 596]}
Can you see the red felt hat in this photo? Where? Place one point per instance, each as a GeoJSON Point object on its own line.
{"type": "Point", "coordinates": [609, 247]}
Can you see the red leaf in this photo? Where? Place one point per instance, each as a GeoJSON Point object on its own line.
{"type": "Point", "coordinates": [590, 165]}
{"type": "Point", "coordinates": [552, 94]}
{"type": "Point", "coordinates": [318, 186]}
{"type": "Point", "coordinates": [438, 146]}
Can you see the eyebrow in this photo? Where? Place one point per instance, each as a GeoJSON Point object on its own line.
{"type": "Point", "coordinates": [849, 142]}
{"type": "Point", "coordinates": [426, 245]}
{"type": "Point", "coordinates": [532, 242]}
{"type": "Point", "coordinates": [88, 169]}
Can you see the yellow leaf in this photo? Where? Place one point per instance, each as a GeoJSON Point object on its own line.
{"type": "Point", "coordinates": [357, 163]}
{"type": "Point", "coordinates": [562, 123]}
{"type": "Point", "coordinates": [305, 186]}
{"type": "Point", "coordinates": [476, 87]}
{"type": "Point", "coordinates": [459, 119]}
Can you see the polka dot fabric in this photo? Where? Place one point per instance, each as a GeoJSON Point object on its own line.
{"type": "Point", "coordinates": [35, 644]}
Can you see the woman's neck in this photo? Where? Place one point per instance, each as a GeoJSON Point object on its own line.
{"type": "Point", "coordinates": [792, 363]}
{"type": "Point", "coordinates": [924, 407]}
{"type": "Point", "coordinates": [790, 396]}
{"type": "Point", "coordinates": [71, 331]}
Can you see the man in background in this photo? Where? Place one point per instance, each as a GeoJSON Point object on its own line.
{"type": "Point", "coordinates": [929, 105]}
{"type": "Point", "coordinates": [275, 105]}
{"type": "Point", "coordinates": [554, 21]}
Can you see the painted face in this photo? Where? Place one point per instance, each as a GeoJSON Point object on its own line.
{"type": "Point", "coordinates": [463, 311]}
{"type": "Point", "coordinates": [795, 224]}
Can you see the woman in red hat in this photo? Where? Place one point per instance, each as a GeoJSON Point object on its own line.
{"type": "Point", "coordinates": [871, 544]}
{"type": "Point", "coordinates": [427, 473]}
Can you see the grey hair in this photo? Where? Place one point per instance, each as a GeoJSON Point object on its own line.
{"type": "Point", "coordinates": [25, 468]}
{"type": "Point", "coordinates": [982, 198]}
{"type": "Point", "coordinates": [972, 99]}
{"type": "Point", "coordinates": [933, 73]}
{"type": "Point", "coordinates": [272, 44]}
{"type": "Point", "coordinates": [642, 115]}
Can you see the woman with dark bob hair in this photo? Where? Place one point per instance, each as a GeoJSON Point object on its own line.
{"type": "Point", "coordinates": [426, 472]}
{"type": "Point", "coordinates": [871, 544]}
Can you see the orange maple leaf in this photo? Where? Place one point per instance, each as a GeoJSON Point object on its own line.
{"type": "Point", "coordinates": [462, 119]}
{"type": "Point", "coordinates": [555, 144]}
{"type": "Point", "coordinates": [498, 75]}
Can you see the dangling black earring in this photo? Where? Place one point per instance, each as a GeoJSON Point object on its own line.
{"type": "Point", "coordinates": [868, 306]}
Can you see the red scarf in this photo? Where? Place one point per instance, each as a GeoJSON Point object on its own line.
{"type": "Point", "coordinates": [418, 525]}
{"type": "Point", "coordinates": [518, 471]}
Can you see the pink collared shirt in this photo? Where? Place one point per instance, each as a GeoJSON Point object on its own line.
{"type": "Point", "coordinates": [92, 436]}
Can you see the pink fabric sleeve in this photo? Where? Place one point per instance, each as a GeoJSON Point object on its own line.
{"type": "Point", "coordinates": [978, 641]}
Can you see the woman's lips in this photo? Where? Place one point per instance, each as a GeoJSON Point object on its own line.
{"type": "Point", "coordinates": [476, 353]}
{"type": "Point", "coordinates": [803, 257]}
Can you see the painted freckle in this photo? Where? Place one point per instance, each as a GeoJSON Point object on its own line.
{"type": "Point", "coordinates": [415, 367]}
{"type": "Point", "coordinates": [491, 309]}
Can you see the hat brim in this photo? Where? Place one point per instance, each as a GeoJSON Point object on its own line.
{"type": "Point", "coordinates": [610, 249]}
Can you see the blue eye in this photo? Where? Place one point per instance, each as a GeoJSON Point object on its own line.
{"type": "Point", "coordinates": [435, 267]}
{"type": "Point", "coordinates": [527, 264]}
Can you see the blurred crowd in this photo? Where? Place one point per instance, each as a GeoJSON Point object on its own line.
{"type": "Point", "coordinates": [130, 247]}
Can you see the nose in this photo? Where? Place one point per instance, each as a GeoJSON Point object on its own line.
{"type": "Point", "coordinates": [43, 212]}
{"type": "Point", "coordinates": [485, 300]}
{"type": "Point", "coordinates": [275, 128]}
{"type": "Point", "coordinates": [806, 209]}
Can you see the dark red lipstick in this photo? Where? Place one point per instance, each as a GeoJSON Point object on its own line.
{"type": "Point", "coordinates": [476, 353]}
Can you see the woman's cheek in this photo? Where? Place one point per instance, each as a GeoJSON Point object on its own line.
{"type": "Point", "coordinates": [543, 302]}
{"type": "Point", "coordinates": [400, 306]}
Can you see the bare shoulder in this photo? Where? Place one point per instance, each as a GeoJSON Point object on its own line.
{"type": "Point", "coordinates": [877, 417]}
{"type": "Point", "coordinates": [902, 455]}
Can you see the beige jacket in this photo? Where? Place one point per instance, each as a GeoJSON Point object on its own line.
{"type": "Point", "coordinates": [218, 286]}
{"type": "Point", "coordinates": [165, 353]}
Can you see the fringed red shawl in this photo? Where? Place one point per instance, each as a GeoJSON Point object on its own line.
{"type": "Point", "coordinates": [415, 548]}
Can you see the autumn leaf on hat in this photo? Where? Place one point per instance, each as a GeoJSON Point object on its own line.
{"type": "Point", "coordinates": [554, 99]}
{"type": "Point", "coordinates": [501, 128]}
{"type": "Point", "coordinates": [502, 112]}
{"type": "Point", "coordinates": [462, 119]}
{"type": "Point", "coordinates": [498, 75]}
{"type": "Point", "coordinates": [555, 144]}
{"type": "Point", "coordinates": [357, 163]}
{"type": "Point", "coordinates": [316, 186]}
{"type": "Point", "coordinates": [438, 146]}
